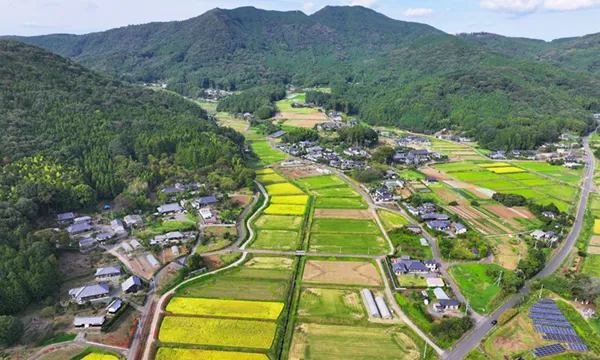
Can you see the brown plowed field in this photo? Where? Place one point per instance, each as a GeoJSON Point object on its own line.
{"type": "Point", "coordinates": [300, 172]}
{"type": "Point", "coordinates": [595, 241]}
{"type": "Point", "coordinates": [446, 194]}
{"type": "Point", "coordinates": [341, 272]}
{"type": "Point", "coordinates": [594, 250]}
{"type": "Point", "coordinates": [436, 174]}
{"type": "Point", "coordinates": [508, 213]}
{"type": "Point", "coordinates": [467, 212]}
{"type": "Point", "coordinates": [343, 214]}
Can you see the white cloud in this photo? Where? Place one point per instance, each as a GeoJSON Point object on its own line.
{"type": "Point", "coordinates": [566, 5]}
{"type": "Point", "coordinates": [308, 6]}
{"type": "Point", "coordinates": [418, 12]}
{"type": "Point", "coordinates": [365, 3]}
{"type": "Point", "coordinates": [518, 6]}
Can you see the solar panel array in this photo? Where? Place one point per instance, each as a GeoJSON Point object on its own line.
{"type": "Point", "coordinates": [565, 338]}
{"type": "Point", "coordinates": [578, 347]}
{"type": "Point", "coordinates": [547, 317]}
{"type": "Point", "coordinates": [549, 350]}
{"type": "Point", "coordinates": [545, 301]}
{"type": "Point", "coordinates": [554, 330]}
{"type": "Point", "coordinates": [545, 311]}
{"type": "Point", "coordinates": [551, 323]}
{"type": "Point", "coordinates": [544, 306]}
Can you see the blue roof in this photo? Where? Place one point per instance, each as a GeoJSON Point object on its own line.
{"type": "Point", "coordinates": [207, 200]}
{"type": "Point", "coordinates": [278, 134]}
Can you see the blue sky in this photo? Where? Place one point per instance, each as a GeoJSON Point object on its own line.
{"type": "Point", "coordinates": [543, 19]}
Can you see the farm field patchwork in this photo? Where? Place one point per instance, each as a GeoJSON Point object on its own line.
{"type": "Point", "coordinates": [456, 167]}
{"type": "Point", "coordinates": [331, 304]}
{"type": "Point", "coordinates": [340, 203]}
{"type": "Point", "coordinates": [497, 185]}
{"type": "Point", "coordinates": [323, 181]}
{"type": "Point", "coordinates": [283, 189]}
{"type": "Point", "coordinates": [562, 192]}
{"type": "Point", "coordinates": [196, 354]}
{"type": "Point", "coordinates": [477, 286]}
{"type": "Point", "coordinates": [279, 222]}
{"type": "Point", "coordinates": [494, 164]}
{"type": "Point", "coordinates": [95, 356]}
{"type": "Point", "coordinates": [275, 239]}
{"type": "Point", "coordinates": [320, 225]}
{"type": "Point", "coordinates": [225, 308]}
{"type": "Point", "coordinates": [284, 209]}
{"type": "Point", "coordinates": [341, 272]}
{"type": "Point", "coordinates": [266, 153]}
{"type": "Point", "coordinates": [391, 220]}
{"type": "Point", "coordinates": [475, 176]}
{"type": "Point", "coordinates": [348, 244]}
{"type": "Point", "coordinates": [217, 332]}
{"type": "Point", "coordinates": [561, 205]}
{"type": "Point", "coordinates": [332, 342]}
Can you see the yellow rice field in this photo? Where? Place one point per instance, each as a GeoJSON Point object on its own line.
{"type": "Point", "coordinates": [506, 170]}
{"type": "Point", "coordinates": [270, 178]}
{"type": "Point", "coordinates": [284, 209]}
{"type": "Point", "coordinates": [100, 357]}
{"type": "Point", "coordinates": [292, 200]}
{"type": "Point", "coordinates": [195, 354]}
{"type": "Point", "coordinates": [283, 189]}
{"type": "Point", "coordinates": [489, 165]}
{"type": "Point", "coordinates": [225, 308]}
{"type": "Point", "coordinates": [597, 226]}
{"type": "Point", "coordinates": [264, 171]}
{"type": "Point", "coordinates": [217, 332]}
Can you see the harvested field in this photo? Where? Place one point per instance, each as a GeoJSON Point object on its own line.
{"type": "Point", "coordinates": [467, 212]}
{"type": "Point", "coordinates": [595, 240]}
{"type": "Point", "coordinates": [243, 200]}
{"type": "Point", "coordinates": [446, 194]}
{"type": "Point", "coordinates": [473, 188]}
{"type": "Point", "coordinates": [316, 116]}
{"type": "Point", "coordinates": [594, 250]}
{"type": "Point", "coordinates": [279, 222]}
{"type": "Point", "coordinates": [341, 272]}
{"type": "Point", "coordinates": [300, 172]}
{"type": "Point", "coordinates": [343, 214]}
{"type": "Point", "coordinates": [284, 209]}
{"type": "Point", "coordinates": [435, 173]}
{"type": "Point", "coordinates": [343, 226]}
{"type": "Point", "coordinates": [508, 213]}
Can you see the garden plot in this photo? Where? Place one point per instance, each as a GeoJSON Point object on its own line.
{"type": "Point", "coordinates": [507, 254]}
{"type": "Point", "coordinates": [332, 342]}
{"type": "Point", "coordinates": [300, 171]}
{"type": "Point", "coordinates": [217, 332]}
{"type": "Point", "coordinates": [477, 286]}
{"type": "Point", "coordinates": [195, 354]}
{"type": "Point", "coordinates": [341, 272]}
{"type": "Point", "coordinates": [225, 308]}
{"type": "Point", "coordinates": [595, 240]}
{"type": "Point", "coordinates": [343, 214]}
{"type": "Point", "coordinates": [509, 213]}
{"type": "Point", "coordinates": [467, 212]}
{"type": "Point", "coordinates": [331, 304]}
{"type": "Point", "coordinates": [435, 173]}
{"type": "Point", "coordinates": [479, 192]}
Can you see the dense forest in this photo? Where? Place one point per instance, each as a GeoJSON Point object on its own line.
{"type": "Point", "coordinates": [388, 72]}
{"type": "Point", "coordinates": [71, 137]}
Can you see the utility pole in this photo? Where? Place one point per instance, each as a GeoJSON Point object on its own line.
{"type": "Point", "coordinates": [541, 289]}
{"type": "Point", "coordinates": [499, 278]}
{"type": "Point", "coordinates": [467, 308]}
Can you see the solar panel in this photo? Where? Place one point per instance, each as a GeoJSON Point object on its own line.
{"type": "Point", "coordinates": [549, 350]}
{"type": "Point", "coordinates": [554, 330]}
{"type": "Point", "coordinates": [578, 347]}
{"type": "Point", "coordinates": [561, 337]}
{"type": "Point", "coordinates": [546, 301]}
{"type": "Point", "coordinates": [547, 316]}
{"type": "Point", "coordinates": [551, 323]}
{"type": "Point", "coordinates": [545, 311]}
{"type": "Point", "coordinates": [544, 306]}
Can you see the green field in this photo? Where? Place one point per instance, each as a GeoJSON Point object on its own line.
{"type": "Point", "coordinates": [456, 167]}
{"type": "Point", "coordinates": [562, 192]}
{"type": "Point", "coordinates": [319, 182]}
{"type": "Point", "coordinates": [535, 182]}
{"type": "Point", "coordinates": [340, 203]}
{"type": "Point", "coordinates": [267, 179]}
{"type": "Point", "coordinates": [412, 281]}
{"type": "Point", "coordinates": [285, 105]}
{"type": "Point", "coordinates": [476, 176]}
{"type": "Point", "coordinates": [285, 209]}
{"type": "Point", "coordinates": [348, 244]}
{"type": "Point", "coordinates": [279, 222]}
{"type": "Point", "coordinates": [266, 153]}
{"type": "Point", "coordinates": [276, 240]}
{"type": "Point", "coordinates": [335, 342]}
{"type": "Point", "coordinates": [538, 166]}
{"type": "Point", "coordinates": [233, 287]}
{"type": "Point", "coordinates": [528, 193]}
{"type": "Point", "coordinates": [477, 286]}
{"type": "Point", "coordinates": [331, 304]}
{"type": "Point", "coordinates": [345, 226]}
{"type": "Point", "coordinates": [592, 265]}
{"type": "Point", "coordinates": [344, 191]}
{"type": "Point", "coordinates": [561, 205]}
{"type": "Point", "coordinates": [391, 220]}
{"type": "Point", "coordinates": [522, 176]}
{"type": "Point", "coordinates": [497, 184]}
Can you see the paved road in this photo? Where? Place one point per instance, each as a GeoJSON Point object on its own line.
{"type": "Point", "coordinates": [462, 348]}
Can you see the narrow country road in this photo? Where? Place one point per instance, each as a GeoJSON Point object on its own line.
{"type": "Point", "coordinates": [470, 342]}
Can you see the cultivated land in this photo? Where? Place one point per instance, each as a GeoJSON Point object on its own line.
{"type": "Point", "coordinates": [477, 286]}
{"type": "Point", "coordinates": [349, 243]}
{"type": "Point", "coordinates": [267, 155]}
{"type": "Point", "coordinates": [391, 220]}
{"type": "Point", "coordinates": [194, 354]}
{"type": "Point", "coordinates": [343, 214]}
{"type": "Point", "coordinates": [341, 272]}
{"type": "Point", "coordinates": [345, 226]}
{"type": "Point", "coordinates": [225, 308]}
{"type": "Point", "coordinates": [284, 209]}
{"type": "Point", "coordinates": [283, 189]}
{"type": "Point", "coordinates": [278, 222]}
{"type": "Point", "coordinates": [276, 239]}
{"type": "Point", "coordinates": [320, 182]}
{"type": "Point", "coordinates": [331, 304]}
{"type": "Point", "coordinates": [340, 203]}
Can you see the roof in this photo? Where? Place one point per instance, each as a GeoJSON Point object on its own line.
{"type": "Point", "coordinates": [438, 224]}
{"type": "Point", "coordinates": [65, 216]}
{"type": "Point", "coordinates": [435, 282]}
{"type": "Point", "coordinates": [129, 283]}
{"type": "Point", "coordinates": [416, 265]}
{"type": "Point", "coordinates": [459, 226]}
{"type": "Point", "coordinates": [86, 241]}
{"type": "Point", "coordinates": [429, 262]}
{"type": "Point", "coordinates": [90, 290]}
{"type": "Point", "coordinates": [88, 320]}
{"type": "Point", "coordinates": [104, 235]}
{"type": "Point", "coordinates": [169, 208]}
{"type": "Point", "coordinates": [116, 222]}
{"type": "Point", "coordinates": [114, 306]}
{"type": "Point", "coordinates": [449, 302]}
{"type": "Point", "coordinates": [79, 228]}
{"type": "Point", "coordinates": [207, 200]}
{"type": "Point", "coordinates": [440, 294]}
{"type": "Point", "coordinates": [135, 244]}
{"type": "Point", "coordinates": [108, 271]}
{"type": "Point", "coordinates": [538, 233]}
{"type": "Point", "coordinates": [278, 134]}
{"type": "Point", "coordinates": [133, 219]}
{"type": "Point", "coordinates": [152, 260]}
{"type": "Point", "coordinates": [82, 219]}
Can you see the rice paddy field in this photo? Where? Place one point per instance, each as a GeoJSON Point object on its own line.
{"type": "Point", "coordinates": [276, 239]}
{"type": "Point", "coordinates": [284, 209]}
{"type": "Point", "coordinates": [267, 154]}
{"type": "Point", "coordinates": [195, 354]}
{"type": "Point", "coordinates": [320, 182]}
{"type": "Point", "coordinates": [279, 222]}
{"type": "Point", "coordinates": [332, 304]}
{"type": "Point", "coordinates": [283, 189]}
{"type": "Point", "coordinates": [293, 199]}
{"type": "Point", "coordinates": [391, 220]}
{"type": "Point", "coordinates": [225, 308]}
{"type": "Point", "coordinates": [345, 226]}
{"type": "Point", "coordinates": [340, 203]}
{"type": "Point", "coordinates": [591, 263]}
{"type": "Point", "coordinates": [348, 243]}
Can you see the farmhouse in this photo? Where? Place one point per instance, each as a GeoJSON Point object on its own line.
{"type": "Point", "coordinates": [82, 219]}
{"type": "Point", "coordinates": [204, 201]}
{"type": "Point", "coordinates": [169, 209]}
{"type": "Point", "coordinates": [402, 266]}
{"type": "Point", "coordinates": [208, 216]}
{"type": "Point", "coordinates": [108, 272]}
{"type": "Point", "coordinates": [114, 306]}
{"type": "Point", "coordinates": [172, 236]}
{"type": "Point", "coordinates": [89, 292]}
{"type": "Point", "coordinates": [117, 226]}
{"type": "Point", "coordinates": [449, 304]}
{"type": "Point", "coordinates": [277, 134]}
{"type": "Point", "coordinates": [426, 208]}
{"type": "Point", "coordinates": [131, 285]}
{"type": "Point", "coordinates": [431, 265]}
{"type": "Point", "coordinates": [548, 214]}
{"type": "Point", "coordinates": [133, 220]}
{"type": "Point", "coordinates": [79, 228]}
{"type": "Point", "coordinates": [411, 209]}
{"type": "Point", "coordinates": [435, 217]}
{"type": "Point", "coordinates": [383, 195]}
{"type": "Point", "coordinates": [65, 218]}
{"type": "Point", "coordinates": [414, 228]}
{"type": "Point", "coordinates": [458, 228]}
{"type": "Point", "coordinates": [104, 236]}
{"type": "Point", "coordinates": [87, 243]}
{"type": "Point", "coordinates": [439, 225]}
{"type": "Point", "coordinates": [88, 321]}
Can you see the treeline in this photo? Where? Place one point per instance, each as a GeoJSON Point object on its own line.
{"type": "Point", "coordinates": [258, 101]}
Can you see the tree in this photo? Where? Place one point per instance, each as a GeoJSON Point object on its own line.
{"type": "Point", "coordinates": [11, 330]}
{"type": "Point", "coordinates": [194, 262]}
{"type": "Point", "coordinates": [84, 194]}
{"type": "Point", "coordinates": [125, 202]}
{"type": "Point", "coordinates": [383, 154]}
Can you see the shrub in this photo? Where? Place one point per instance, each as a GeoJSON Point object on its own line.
{"type": "Point", "coordinates": [507, 315]}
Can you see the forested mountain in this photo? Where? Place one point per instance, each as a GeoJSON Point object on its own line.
{"type": "Point", "coordinates": [576, 54]}
{"type": "Point", "coordinates": [383, 70]}
{"type": "Point", "coordinates": [69, 136]}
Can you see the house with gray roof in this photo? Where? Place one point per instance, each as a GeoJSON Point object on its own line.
{"type": "Point", "coordinates": [88, 321]}
{"type": "Point", "coordinates": [87, 243]}
{"type": "Point", "coordinates": [204, 201]}
{"type": "Point", "coordinates": [131, 285]}
{"type": "Point", "coordinates": [108, 272]}
{"type": "Point", "coordinates": [114, 306]}
{"type": "Point", "coordinates": [117, 226]}
{"type": "Point", "coordinates": [65, 218]}
{"type": "Point", "coordinates": [133, 220]}
{"type": "Point", "coordinates": [89, 292]}
{"type": "Point", "coordinates": [79, 228]}
{"type": "Point", "coordinates": [169, 208]}
{"type": "Point", "coordinates": [449, 304]}
{"type": "Point", "coordinates": [104, 236]}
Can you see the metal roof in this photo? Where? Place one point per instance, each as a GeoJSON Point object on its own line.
{"type": "Point", "coordinates": [108, 271]}
{"type": "Point", "coordinates": [132, 281]}
{"type": "Point", "coordinates": [88, 320]}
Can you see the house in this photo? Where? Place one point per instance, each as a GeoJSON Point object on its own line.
{"type": "Point", "coordinates": [133, 220]}
{"type": "Point", "coordinates": [538, 234]}
{"type": "Point", "coordinates": [108, 272]}
{"type": "Point", "coordinates": [440, 294]}
{"type": "Point", "coordinates": [126, 247]}
{"type": "Point", "coordinates": [131, 285]}
{"type": "Point", "coordinates": [409, 267]}
{"type": "Point", "coordinates": [449, 304]}
{"type": "Point", "coordinates": [88, 321]}
{"type": "Point", "coordinates": [431, 180]}
{"type": "Point", "coordinates": [87, 243]}
{"type": "Point", "coordinates": [393, 184]}
{"type": "Point", "coordinates": [435, 217]}
{"type": "Point", "coordinates": [65, 218]}
{"type": "Point", "coordinates": [114, 306]}
{"type": "Point", "coordinates": [169, 209]}
{"type": "Point", "coordinates": [204, 201]}
{"type": "Point", "coordinates": [458, 228]}
{"type": "Point", "coordinates": [174, 250]}
{"type": "Point", "coordinates": [135, 244]}
{"type": "Point", "coordinates": [427, 208]}
{"type": "Point", "coordinates": [117, 226]}
{"type": "Point", "coordinates": [208, 216]}
{"type": "Point", "coordinates": [435, 282]}
{"type": "Point", "coordinates": [548, 214]}
{"type": "Point", "coordinates": [82, 220]}
{"type": "Point", "coordinates": [104, 236]}
{"type": "Point", "coordinates": [277, 134]}
{"type": "Point", "coordinates": [383, 195]}
{"type": "Point", "coordinates": [430, 264]}
{"type": "Point", "coordinates": [152, 260]}
{"type": "Point", "coordinates": [411, 209]}
{"type": "Point", "coordinates": [172, 236]}
{"type": "Point", "coordinates": [79, 228]}
{"type": "Point", "coordinates": [89, 292]}
{"type": "Point", "coordinates": [390, 174]}
{"type": "Point", "coordinates": [439, 225]}
{"type": "Point", "coordinates": [414, 228]}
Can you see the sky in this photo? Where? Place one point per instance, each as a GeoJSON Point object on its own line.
{"type": "Point", "coordinates": [541, 19]}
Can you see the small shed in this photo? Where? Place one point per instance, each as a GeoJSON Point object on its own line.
{"type": "Point", "coordinates": [371, 304]}
{"type": "Point", "coordinates": [440, 294]}
{"type": "Point", "coordinates": [114, 306]}
{"type": "Point", "coordinates": [174, 250]}
{"type": "Point", "coordinates": [88, 321]}
{"type": "Point", "coordinates": [383, 308]}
